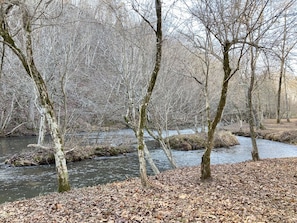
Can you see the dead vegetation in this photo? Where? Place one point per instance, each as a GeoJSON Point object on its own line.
{"type": "Point", "coordinates": [45, 156]}
{"type": "Point", "coordinates": [41, 155]}
{"type": "Point", "coordinates": [284, 132]}
{"type": "Point", "coordinates": [197, 141]}
{"type": "Point", "coordinates": [264, 191]}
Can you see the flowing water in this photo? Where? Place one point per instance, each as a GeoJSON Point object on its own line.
{"type": "Point", "coordinates": [25, 182]}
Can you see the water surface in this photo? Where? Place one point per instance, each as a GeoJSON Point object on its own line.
{"type": "Point", "coordinates": [26, 182]}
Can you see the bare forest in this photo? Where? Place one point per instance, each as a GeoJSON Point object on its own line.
{"type": "Point", "coordinates": [83, 66]}
{"type": "Point", "coordinates": [96, 61]}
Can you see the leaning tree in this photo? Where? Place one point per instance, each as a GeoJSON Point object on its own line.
{"type": "Point", "coordinates": [17, 25]}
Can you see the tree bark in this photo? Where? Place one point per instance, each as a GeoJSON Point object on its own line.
{"type": "Point", "coordinates": [47, 107]}
{"type": "Point", "coordinates": [281, 74]}
{"type": "Point", "coordinates": [147, 97]}
{"type": "Point", "coordinates": [165, 146]}
{"type": "Point", "coordinates": [28, 63]}
{"type": "Point", "coordinates": [150, 160]}
{"type": "Point", "coordinates": [279, 92]}
{"type": "Point", "coordinates": [42, 127]}
{"type": "Point", "coordinates": [141, 155]}
{"type": "Point", "coordinates": [205, 162]}
{"type": "Point", "coordinates": [255, 153]}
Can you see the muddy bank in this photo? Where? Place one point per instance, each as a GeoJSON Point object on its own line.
{"type": "Point", "coordinates": [197, 141]}
{"type": "Point", "coordinates": [45, 156]}
{"type": "Point", "coordinates": [284, 132]}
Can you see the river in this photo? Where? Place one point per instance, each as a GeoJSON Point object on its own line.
{"type": "Point", "coordinates": [26, 182]}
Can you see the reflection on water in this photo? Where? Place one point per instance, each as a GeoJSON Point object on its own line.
{"type": "Point", "coordinates": [26, 182]}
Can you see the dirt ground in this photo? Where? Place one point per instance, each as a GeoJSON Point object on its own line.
{"type": "Point", "coordinates": [284, 132]}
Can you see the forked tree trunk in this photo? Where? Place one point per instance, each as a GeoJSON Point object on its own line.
{"type": "Point", "coordinates": [27, 61]}
{"type": "Point", "coordinates": [205, 161]}
{"type": "Point", "coordinates": [165, 146]}
{"type": "Point", "coordinates": [47, 107]}
{"type": "Point", "coordinates": [147, 97]}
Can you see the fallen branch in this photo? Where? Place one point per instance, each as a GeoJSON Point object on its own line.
{"type": "Point", "coordinates": [15, 128]}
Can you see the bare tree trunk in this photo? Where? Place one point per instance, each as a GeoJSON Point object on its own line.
{"type": "Point", "coordinates": [282, 67]}
{"type": "Point", "coordinates": [165, 146]}
{"type": "Point", "coordinates": [27, 60]}
{"type": "Point", "coordinates": [149, 91]}
{"type": "Point", "coordinates": [287, 99]}
{"type": "Point", "coordinates": [31, 115]}
{"type": "Point", "coordinates": [261, 116]}
{"type": "Point", "coordinates": [205, 162]}
{"type": "Point", "coordinates": [168, 153]}
{"type": "Point", "coordinates": [255, 153]}
{"type": "Point", "coordinates": [141, 154]}
{"type": "Point", "coordinates": [150, 160]}
{"type": "Point", "coordinates": [42, 127]}
{"type": "Point", "coordinates": [279, 92]}
{"type": "Point", "coordinates": [47, 106]}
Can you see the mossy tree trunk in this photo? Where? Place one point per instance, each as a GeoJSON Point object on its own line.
{"type": "Point", "coordinates": [205, 161]}
{"type": "Point", "coordinates": [27, 60]}
{"type": "Point", "coordinates": [146, 99]}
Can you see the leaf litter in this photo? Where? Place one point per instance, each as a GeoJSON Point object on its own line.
{"type": "Point", "coordinates": [263, 191]}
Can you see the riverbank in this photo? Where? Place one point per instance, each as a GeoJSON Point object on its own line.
{"type": "Point", "coordinates": [285, 132]}
{"type": "Point", "coordinates": [264, 191]}
{"type": "Point", "coordinates": [44, 155]}
{"type": "Point", "coordinates": [41, 155]}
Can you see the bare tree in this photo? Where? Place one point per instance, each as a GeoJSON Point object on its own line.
{"type": "Point", "coordinates": [149, 91]}
{"type": "Point", "coordinates": [21, 25]}
{"type": "Point", "coordinates": [226, 22]}
{"type": "Point", "coordinates": [285, 43]}
{"type": "Point", "coordinates": [255, 153]}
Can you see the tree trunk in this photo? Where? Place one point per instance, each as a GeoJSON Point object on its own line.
{"type": "Point", "coordinates": [283, 57]}
{"type": "Point", "coordinates": [168, 153]}
{"type": "Point", "coordinates": [205, 162]}
{"type": "Point", "coordinates": [150, 160]}
{"type": "Point", "coordinates": [141, 157]}
{"type": "Point", "coordinates": [255, 154]}
{"type": "Point", "coordinates": [47, 107]}
{"type": "Point", "coordinates": [279, 92]}
{"type": "Point", "coordinates": [165, 146]}
{"type": "Point", "coordinates": [147, 96]}
{"type": "Point", "coordinates": [42, 127]}
{"type": "Point", "coordinates": [286, 99]}
{"type": "Point", "coordinates": [27, 60]}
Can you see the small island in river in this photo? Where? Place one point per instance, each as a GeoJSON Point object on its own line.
{"type": "Point", "coordinates": [40, 155]}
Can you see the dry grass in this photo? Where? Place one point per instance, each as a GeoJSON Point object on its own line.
{"type": "Point", "coordinates": [197, 141]}
{"type": "Point", "coordinates": [284, 132]}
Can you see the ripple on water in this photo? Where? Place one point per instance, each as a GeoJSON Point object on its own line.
{"type": "Point", "coordinates": [26, 182]}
